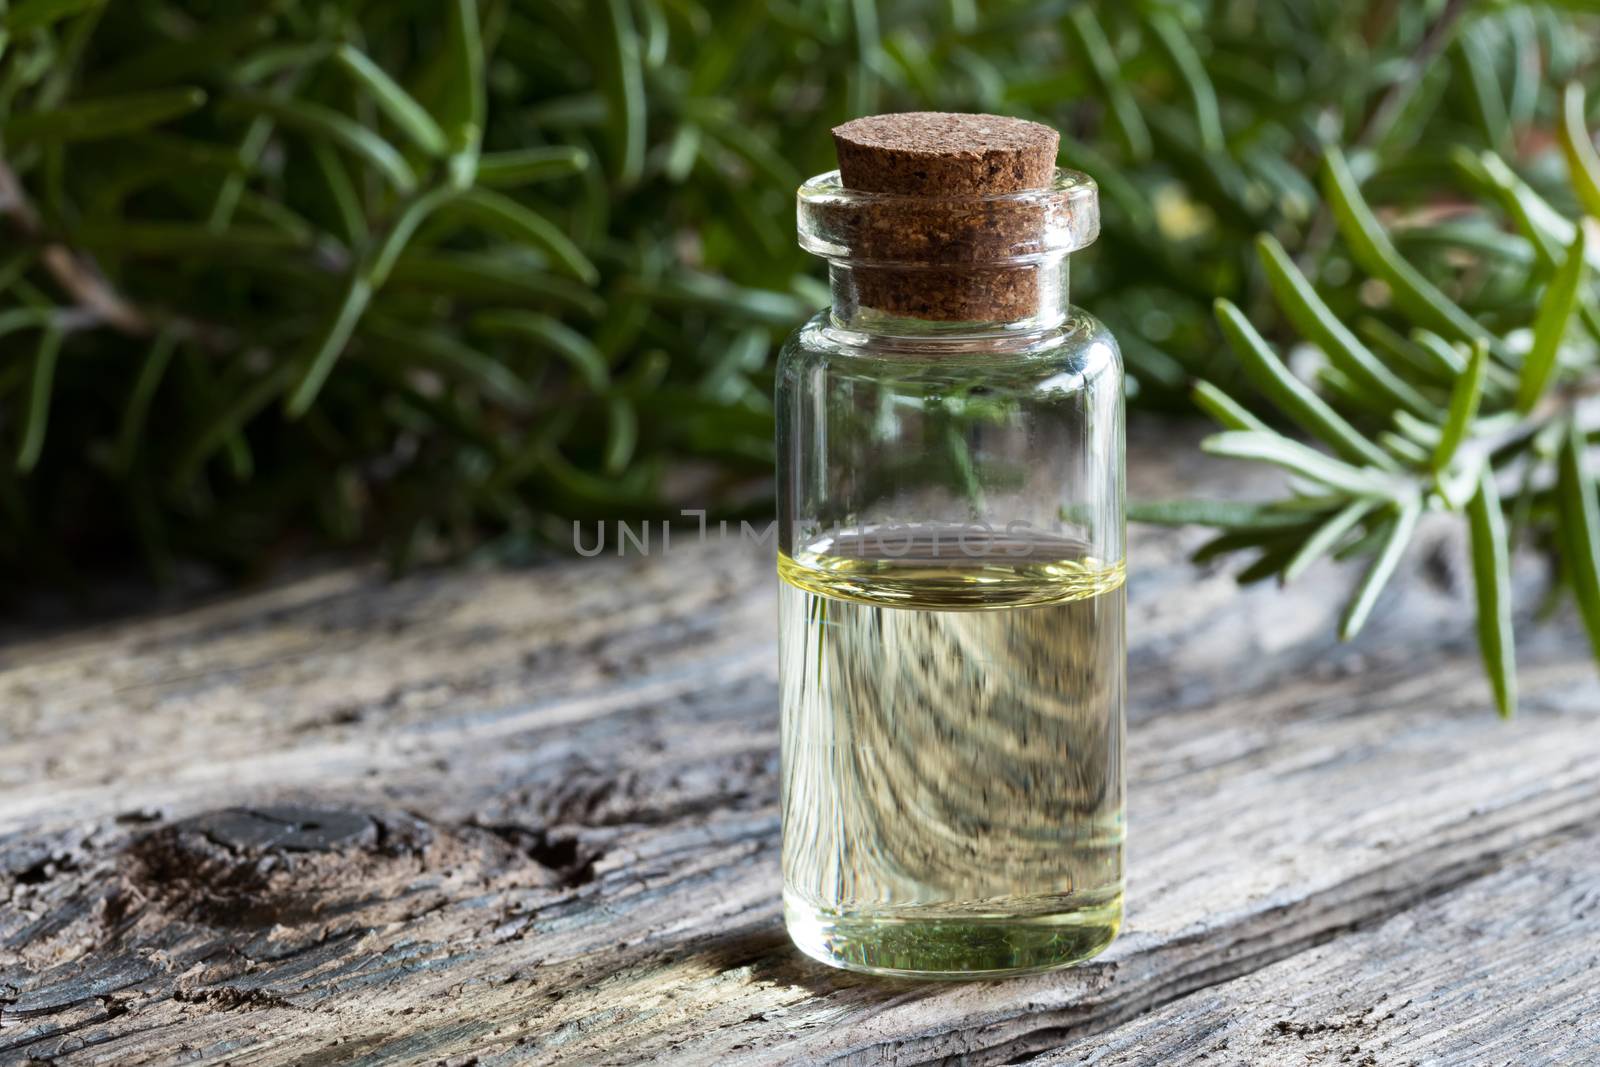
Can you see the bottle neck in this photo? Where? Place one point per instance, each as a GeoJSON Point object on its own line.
{"type": "Point", "coordinates": [957, 303]}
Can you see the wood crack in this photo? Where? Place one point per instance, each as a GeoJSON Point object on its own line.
{"type": "Point", "coordinates": [233, 998]}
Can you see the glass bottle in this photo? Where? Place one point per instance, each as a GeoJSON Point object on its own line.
{"type": "Point", "coordinates": [951, 535]}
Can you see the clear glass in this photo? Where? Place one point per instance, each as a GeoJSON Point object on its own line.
{"type": "Point", "coordinates": [952, 647]}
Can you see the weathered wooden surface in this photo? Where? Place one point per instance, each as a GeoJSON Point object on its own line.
{"type": "Point", "coordinates": [531, 817]}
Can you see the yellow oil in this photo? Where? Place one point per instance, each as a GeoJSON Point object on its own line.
{"type": "Point", "coordinates": [952, 720]}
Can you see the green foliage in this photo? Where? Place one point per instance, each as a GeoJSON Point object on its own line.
{"type": "Point", "coordinates": [434, 273]}
{"type": "Point", "coordinates": [1474, 432]}
{"type": "Point", "coordinates": [1491, 575]}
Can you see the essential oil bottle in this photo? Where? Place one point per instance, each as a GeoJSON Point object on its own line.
{"type": "Point", "coordinates": [951, 534]}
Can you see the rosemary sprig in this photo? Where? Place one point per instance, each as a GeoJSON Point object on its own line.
{"type": "Point", "coordinates": [1430, 449]}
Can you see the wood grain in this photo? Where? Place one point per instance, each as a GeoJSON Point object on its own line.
{"type": "Point", "coordinates": [531, 817]}
{"type": "Point", "coordinates": [1519, 984]}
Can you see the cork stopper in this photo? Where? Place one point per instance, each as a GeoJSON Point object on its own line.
{"type": "Point", "coordinates": [935, 153]}
{"type": "Point", "coordinates": [948, 217]}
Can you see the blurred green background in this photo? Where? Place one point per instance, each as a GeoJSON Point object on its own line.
{"type": "Point", "coordinates": [441, 277]}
